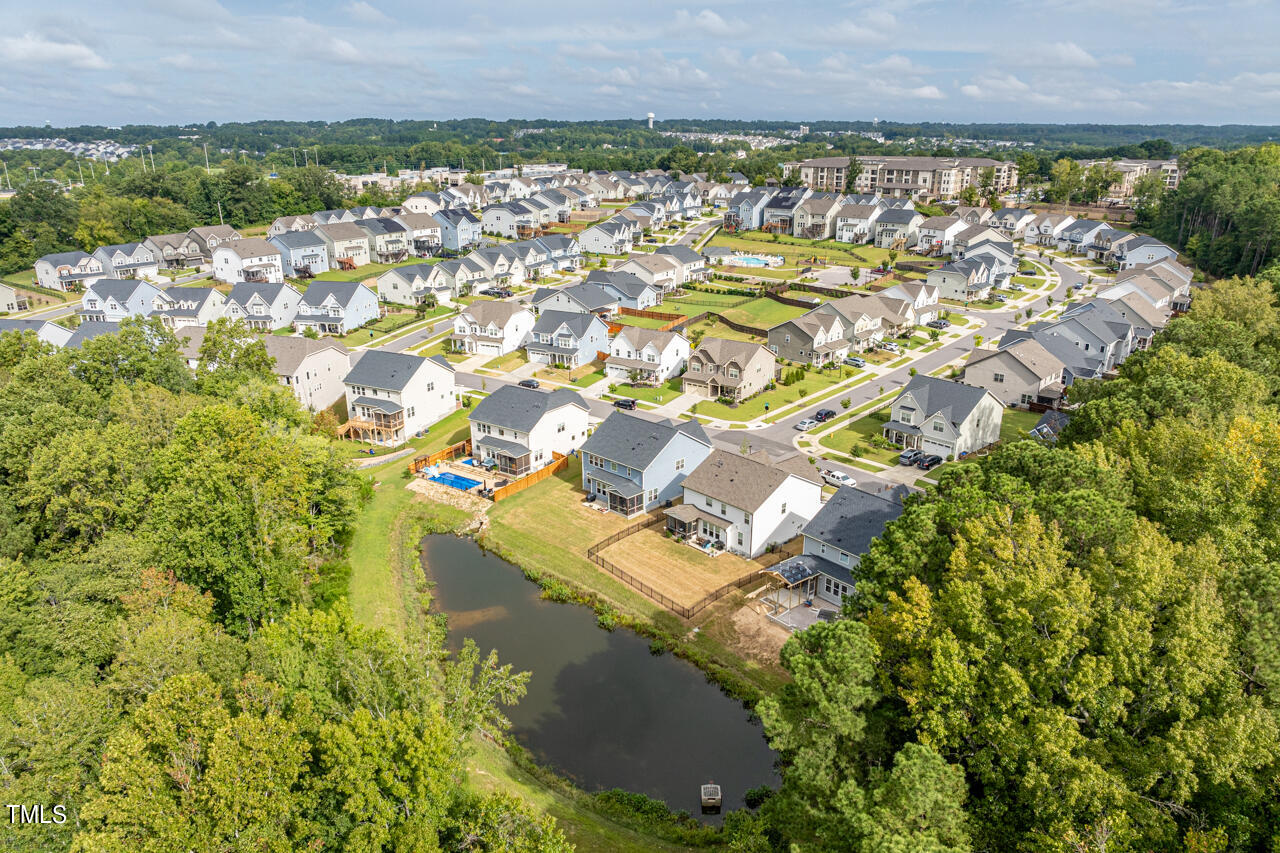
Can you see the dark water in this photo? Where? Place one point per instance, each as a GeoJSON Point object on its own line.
{"type": "Point", "coordinates": [600, 709]}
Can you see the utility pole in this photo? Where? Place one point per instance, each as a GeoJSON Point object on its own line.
{"type": "Point", "coordinates": [6, 174]}
{"type": "Point", "coordinates": [92, 173]}
{"type": "Point", "coordinates": [295, 156]}
{"type": "Point", "coordinates": [206, 159]}
{"type": "Point", "coordinates": [153, 157]}
{"type": "Point", "coordinates": [80, 169]}
{"type": "Point", "coordinates": [220, 222]}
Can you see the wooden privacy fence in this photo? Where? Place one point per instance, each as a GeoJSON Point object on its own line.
{"type": "Point", "coordinates": [685, 611]}
{"type": "Point", "coordinates": [741, 327]}
{"type": "Point", "coordinates": [561, 462]}
{"type": "Point", "coordinates": [462, 448]}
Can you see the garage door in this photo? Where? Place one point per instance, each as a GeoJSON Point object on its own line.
{"type": "Point", "coordinates": [929, 446]}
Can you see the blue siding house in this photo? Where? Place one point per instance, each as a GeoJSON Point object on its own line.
{"type": "Point", "coordinates": [567, 337]}
{"type": "Point", "coordinates": [336, 307]}
{"type": "Point", "coordinates": [459, 228]}
{"type": "Point", "coordinates": [637, 465]}
{"type": "Point", "coordinates": [302, 253]}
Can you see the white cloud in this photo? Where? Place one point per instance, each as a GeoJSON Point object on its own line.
{"type": "Point", "coordinates": [37, 50]}
{"type": "Point", "coordinates": [180, 60]}
{"type": "Point", "coordinates": [928, 93]}
{"type": "Point", "coordinates": [708, 23]}
{"type": "Point", "coordinates": [367, 13]}
{"type": "Point", "coordinates": [124, 90]}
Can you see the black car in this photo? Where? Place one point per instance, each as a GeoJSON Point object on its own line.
{"type": "Point", "coordinates": [929, 462]}
{"type": "Point", "coordinates": [909, 457]}
{"type": "Point", "coordinates": [624, 403]}
{"type": "Point", "coordinates": [489, 291]}
{"type": "Point", "coordinates": [938, 324]}
{"type": "Point", "coordinates": [528, 383]}
{"type": "Point", "coordinates": [824, 415]}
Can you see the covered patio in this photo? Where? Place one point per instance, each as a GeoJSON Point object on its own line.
{"type": "Point", "coordinates": [700, 529]}
{"type": "Point", "coordinates": [507, 457]}
{"type": "Point", "coordinates": [792, 599]}
{"type": "Point", "coordinates": [625, 497]}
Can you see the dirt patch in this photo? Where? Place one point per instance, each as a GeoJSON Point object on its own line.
{"type": "Point", "coordinates": [675, 569]}
{"type": "Point", "coordinates": [756, 636]}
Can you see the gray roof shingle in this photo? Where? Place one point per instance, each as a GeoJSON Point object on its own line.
{"type": "Point", "coordinates": [851, 518]}
{"type": "Point", "coordinates": [521, 409]}
{"type": "Point", "coordinates": [636, 442]}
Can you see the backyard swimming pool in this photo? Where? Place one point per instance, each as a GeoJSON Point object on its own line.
{"type": "Point", "coordinates": [456, 481]}
{"type": "Point", "coordinates": [756, 260]}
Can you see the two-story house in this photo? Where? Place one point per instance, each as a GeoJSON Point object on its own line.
{"type": "Point", "coordinates": [422, 231]}
{"type": "Point", "coordinates": [346, 243]}
{"type": "Point", "coordinates": [285, 224]}
{"type": "Point", "coordinates": [662, 271]}
{"type": "Point", "coordinates": [1013, 221]}
{"type": "Point", "coordinates": [898, 228]}
{"type": "Point", "coordinates": [459, 228]}
{"type": "Point", "coordinates": [336, 307]}
{"type": "Point", "coordinates": [693, 264]}
{"type": "Point", "coordinates": [393, 396]}
{"type": "Point", "coordinates": [518, 430]}
{"type": "Point", "coordinates": [634, 465]}
{"type": "Point", "coordinates": [252, 259]}
{"type": "Point", "coordinates": [488, 327]}
{"type": "Point", "coordinates": [1019, 374]}
{"type": "Point", "coordinates": [584, 298]}
{"type": "Point", "coordinates": [303, 254]}
{"type": "Point", "coordinates": [630, 290]}
{"type": "Point", "coordinates": [816, 338]}
{"type": "Point", "coordinates": [1077, 237]}
{"type": "Point", "coordinates": [175, 251]}
{"type": "Point", "coordinates": [210, 237]}
{"type": "Point", "coordinates": [412, 284]}
{"type": "Point", "coordinates": [110, 300]}
{"type": "Point", "coordinates": [611, 237]}
{"type": "Point", "coordinates": [723, 368]}
{"type": "Point", "coordinates": [179, 307]}
{"type": "Point", "coordinates": [962, 281]}
{"type": "Point", "coordinates": [388, 239]}
{"type": "Point", "coordinates": [129, 260]}
{"type": "Point", "coordinates": [1045, 229]}
{"type": "Point", "coordinates": [311, 369]}
{"type": "Point", "coordinates": [746, 503]}
{"type": "Point", "coordinates": [263, 307]}
{"type": "Point", "coordinates": [855, 223]}
{"type": "Point", "coordinates": [567, 338]}
{"type": "Point", "coordinates": [646, 356]}
{"type": "Point", "coordinates": [68, 271]}
{"type": "Point", "coordinates": [938, 234]}
{"type": "Point", "coordinates": [944, 418]}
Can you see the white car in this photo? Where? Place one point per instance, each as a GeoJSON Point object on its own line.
{"type": "Point", "coordinates": [806, 424]}
{"type": "Point", "coordinates": [838, 478]}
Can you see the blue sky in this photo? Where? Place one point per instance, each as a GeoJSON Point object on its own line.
{"type": "Point", "coordinates": [178, 61]}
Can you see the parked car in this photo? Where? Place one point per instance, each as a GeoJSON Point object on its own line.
{"type": "Point", "coordinates": [625, 403]}
{"type": "Point", "coordinates": [854, 361]}
{"type": "Point", "coordinates": [838, 478]}
{"type": "Point", "coordinates": [909, 457]}
{"type": "Point", "coordinates": [1079, 285]}
{"type": "Point", "coordinates": [807, 423]}
{"type": "Point", "coordinates": [824, 415]}
{"type": "Point", "coordinates": [890, 346]}
{"type": "Point", "coordinates": [528, 383]}
{"type": "Point", "coordinates": [939, 324]}
{"type": "Point", "coordinates": [489, 291]}
{"type": "Point", "coordinates": [1001, 298]}
{"type": "Point", "coordinates": [929, 462]}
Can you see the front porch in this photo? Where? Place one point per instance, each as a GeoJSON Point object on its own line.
{"type": "Point", "coordinates": [902, 435]}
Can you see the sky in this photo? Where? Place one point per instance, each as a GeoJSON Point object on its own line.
{"type": "Point", "coordinates": [78, 62]}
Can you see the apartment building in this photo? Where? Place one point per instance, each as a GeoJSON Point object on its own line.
{"type": "Point", "coordinates": [902, 177]}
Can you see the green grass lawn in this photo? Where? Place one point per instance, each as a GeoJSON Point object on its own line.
{"type": "Point", "coordinates": [814, 383]}
{"type": "Point", "coordinates": [1015, 423]}
{"type": "Point", "coordinates": [368, 270]}
{"type": "Point", "coordinates": [758, 272]}
{"type": "Point", "coordinates": [796, 251]}
{"type": "Point", "coordinates": [695, 302]}
{"type": "Point", "coordinates": [667, 391]}
{"type": "Point", "coordinates": [509, 362]}
{"type": "Point", "coordinates": [804, 294]}
{"type": "Point", "coordinates": [23, 277]}
{"type": "Point", "coordinates": [763, 313]}
{"type": "Point", "coordinates": [1028, 280]}
{"type": "Point", "coordinates": [859, 431]}
{"type": "Point", "coordinates": [642, 322]}
{"type": "Point", "coordinates": [386, 325]}
{"type": "Point", "coordinates": [589, 379]}
{"type": "Point", "coordinates": [716, 329]}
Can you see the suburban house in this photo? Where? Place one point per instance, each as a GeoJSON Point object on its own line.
{"type": "Point", "coordinates": [746, 209]}
{"type": "Point", "coordinates": [46, 331]}
{"type": "Point", "coordinates": [942, 417]}
{"type": "Point", "coordinates": [736, 370]}
{"type": "Point", "coordinates": [210, 237]}
{"type": "Point", "coordinates": [303, 254]}
{"type": "Point", "coordinates": [898, 228]}
{"type": "Point", "coordinates": [962, 281]}
{"type": "Point", "coordinates": [746, 503]}
{"type": "Point", "coordinates": [584, 298]}
{"type": "Point", "coordinates": [516, 220]}
{"type": "Point", "coordinates": [175, 251]}
{"type": "Point", "coordinates": [89, 330]}
{"type": "Point", "coordinates": [424, 202]}
{"type": "Point", "coordinates": [1134, 249]}
{"type": "Point", "coordinates": [393, 396]}
{"type": "Point", "coordinates": [1019, 374]}
{"type": "Point", "coordinates": [861, 315]}
{"type": "Point", "coordinates": [834, 542]}
{"type": "Point", "coordinates": [815, 217]}
{"type": "Point", "coordinates": [412, 284]}
{"type": "Point", "coordinates": [635, 465]}
{"type": "Point", "coordinates": [263, 307]}
{"type": "Point", "coordinates": [252, 259]}
{"type": "Point", "coordinates": [780, 209]}
{"type": "Point", "coordinates": [973, 235]}
{"type": "Point", "coordinates": [129, 260]}
{"type": "Point", "coordinates": [488, 327]}
{"type": "Point", "coordinates": [329, 217]}
{"type": "Point", "coordinates": [11, 300]}
{"type": "Point", "coordinates": [422, 231]}
{"type": "Point", "coordinates": [1047, 227]}
{"type": "Point", "coordinates": [346, 243]}
{"type": "Point", "coordinates": [311, 369]}
{"type": "Point", "coordinates": [631, 290]}
{"type": "Point", "coordinates": [855, 223]}
{"type": "Point", "coordinates": [567, 337]}
{"type": "Point", "coordinates": [519, 430]}
{"type": "Point", "coordinates": [68, 271]}
{"type": "Point", "coordinates": [1145, 318]}
{"type": "Point", "coordinates": [285, 224]}
{"type": "Point", "coordinates": [336, 307]}
{"type": "Point", "coordinates": [922, 296]}
{"type": "Point", "coordinates": [110, 300]}
{"type": "Point", "coordinates": [179, 307]}
{"type": "Point", "coordinates": [459, 228]}
{"type": "Point", "coordinates": [650, 356]}
{"type": "Point", "coordinates": [938, 234]}
{"type": "Point", "coordinates": [973, 215]}
{"type": "Point", "coordinates": [1077, 237]}
{"type": "Point", "coordinates": [998, 255]}
{"type": "Point", "coordinates": [388, 239]}
{"type": "Point", "coordinates": [693, 265]}
{"type": "Point", "coordinates": [662, 271]}
{"type": "Point", "coordinates": [611, 237]}
{"type": "Point", "coordinates": [1013, 221]}
{"type": "Point", "coordinates": [816, 338]}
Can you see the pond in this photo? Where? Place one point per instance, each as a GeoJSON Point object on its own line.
{"type": "Point", "coordinates": [601, 709]}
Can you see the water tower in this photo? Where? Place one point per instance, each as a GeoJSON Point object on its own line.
{"type": "Point", "coordinates": [651, 121]}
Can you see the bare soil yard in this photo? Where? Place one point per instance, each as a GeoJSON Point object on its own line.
{"type": "Point", "coordinates": [674, 569]}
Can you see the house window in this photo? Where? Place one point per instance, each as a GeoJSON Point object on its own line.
{"type": "Point", "coordinates": [695, 367]}
{"type": "Point", "coordinates": [997, 377]}
{"type": "Point", "coordinates": [844, 559]}
{"type": "Point", "coordinates": [431, 386]}
{"type": "Point", "coordinates": [1027, 398]}
{"type": "Point", "coordinates": [739, 537]}
{"type": "Point", "coordinates": [560, 428]}
{"type": "Point", "coordinates": [708, 500]}
{"type": "Point", "coordinates": [746, 518]}
{"type": "Point", "coordinates": [723, 509]}
{"type": "Point", "coordinates": [937, 426]}
{"type": "Point", "coordinates": [411, 411]}
{"type": "Point", "coordinates": [653, 496]}
{"type": "Point", "coordinates": [680, 464]}
{"type": "Point", "coordinates": [784, 509]}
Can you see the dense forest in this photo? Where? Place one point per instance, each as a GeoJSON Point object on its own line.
{"type": "Point", "coordinates": [178, 668]}
{"type": "Point", "coordinates": [1071, 647]}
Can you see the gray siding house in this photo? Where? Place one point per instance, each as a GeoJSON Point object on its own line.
{"type": "Point", "coordinates": [636, 465]}
{"type": "Point", "coordinates": [303, 253]}
{"type": "Point", "coordinates": [567, 337]}
{"type": "Point", "coordinates": [943, 417]}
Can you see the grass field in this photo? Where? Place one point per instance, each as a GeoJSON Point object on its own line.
{"type": "Point", "coordinates": [695, 302]}
{"type": "Point", "coordinates": [762, 313]}
{"type": "Point", "coordinates": [642, 322]}
{"type": "Point", "coordinates": [797, 252]}
{"type": "Point", "coordinates": [668, 391]}
{"type": "Point", "coordinates": [509, 362]}
{"type": "Point", "coordinates": [858, 432]}
{"type": "Point", "coordinates": [368, 270]}
{"type": "Point", "coordinates": [716, 329]}
{"type": "Point", "coordinates": [815, 382]}
{"type": "Point", "coordinates": [1015, 423]}
{"type": "Point", "coordinates": [386, 325]}
{"type": "Point", "coordinates": [675, 570]}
